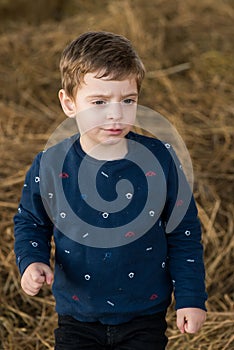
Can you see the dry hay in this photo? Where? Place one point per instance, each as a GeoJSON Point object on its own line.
{"type": "Point", "coordinates": [187, 49]}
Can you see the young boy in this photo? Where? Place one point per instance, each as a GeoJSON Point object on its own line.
{"type": "Point", "coordinates": [107, 195]}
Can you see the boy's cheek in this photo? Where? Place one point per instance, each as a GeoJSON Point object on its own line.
{"type": "Point", "coordinates": [91, 117]}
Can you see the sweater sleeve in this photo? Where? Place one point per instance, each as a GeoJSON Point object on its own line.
{"type": "Point", "coordinates": [183, 230]}
{"type": "Point", "coordinates": [32, 226]}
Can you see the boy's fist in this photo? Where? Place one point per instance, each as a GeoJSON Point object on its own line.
{"type": "Point", "coordinates": [190, 320]}
{"type": "Point", "coordinates": [35, 275]}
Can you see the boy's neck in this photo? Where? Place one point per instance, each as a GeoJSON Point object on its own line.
{"type": "Point", "coordinates": [106, 151]}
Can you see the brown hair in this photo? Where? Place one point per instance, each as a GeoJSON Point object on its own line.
{"type": "Point", "coordinates": [110, 55]}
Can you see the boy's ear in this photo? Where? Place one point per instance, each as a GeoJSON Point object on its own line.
{"type": "Point", "coordinates": [67, 104]}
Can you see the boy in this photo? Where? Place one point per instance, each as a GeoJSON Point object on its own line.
{"type": "Point", "coordinates": [107, 195]}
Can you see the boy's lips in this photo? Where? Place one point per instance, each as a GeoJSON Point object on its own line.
{"type": "Point", "coordinates": [113, 130]}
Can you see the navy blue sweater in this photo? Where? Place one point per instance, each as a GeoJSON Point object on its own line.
{"type": "Point", "coordinates": [126, 231]}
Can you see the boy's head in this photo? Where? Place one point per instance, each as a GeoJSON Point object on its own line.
{"type": "Point", "coordinates": [103, 53]}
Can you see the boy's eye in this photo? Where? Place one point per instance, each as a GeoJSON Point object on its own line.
{"type": "Point", "coordinates": [128, 101]}
{"type": "Point", "coordinates": [99, 102]}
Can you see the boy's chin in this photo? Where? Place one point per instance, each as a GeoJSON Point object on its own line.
{"type": "Point", "coordinates": [113, 141]}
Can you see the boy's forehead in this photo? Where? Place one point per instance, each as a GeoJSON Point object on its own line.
{"type": "Point", "coordinates": [93, 79]}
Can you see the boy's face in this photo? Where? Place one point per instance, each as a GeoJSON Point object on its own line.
{"type": "Point", "coordinates": [105, 110]}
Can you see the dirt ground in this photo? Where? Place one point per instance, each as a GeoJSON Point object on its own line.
{"type": "Point", "coordinates": [187, 48]}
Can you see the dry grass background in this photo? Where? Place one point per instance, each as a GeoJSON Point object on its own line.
{"type": "Point", "coordinates": [195, 97]}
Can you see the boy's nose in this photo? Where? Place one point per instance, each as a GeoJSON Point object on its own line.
{"type": "Point", "coordinates": [114, 111]}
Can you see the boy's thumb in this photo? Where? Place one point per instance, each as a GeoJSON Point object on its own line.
{"type": "Point", "coordinates": [180, 321]}
{"type": "Point", "coordinates": [48, 274]}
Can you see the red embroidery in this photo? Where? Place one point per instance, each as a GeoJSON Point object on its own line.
{"type": "Point", "coordinates": [129, 234]}
{"type": "Point", "coordinates": [63, 175]}
{"type": "Point", "coordinates": [75, 297]}
{"type": "Point", "coordinates": [150, 173]}
{"type": "Point", "coordinates": [153, 297]}
{"type": "Point", "coordinates": [179, 203]}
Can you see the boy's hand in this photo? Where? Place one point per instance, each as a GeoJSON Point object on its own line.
{"type": "Point", "coordinates": [35, 276]}
{"type": "Point", "coordinates": [190, 320]}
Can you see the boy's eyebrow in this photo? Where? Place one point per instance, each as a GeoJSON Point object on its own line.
{"type": "Point", "coordinates": [98, 95]}
{"type": "Point", "coordinates": [132, 93]}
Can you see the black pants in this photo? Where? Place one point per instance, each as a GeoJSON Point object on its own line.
{"type": "Point", "coordinates": [142, 333]}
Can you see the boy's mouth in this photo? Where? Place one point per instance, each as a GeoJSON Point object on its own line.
{"type": "Point", "coordinates": [113, 131]}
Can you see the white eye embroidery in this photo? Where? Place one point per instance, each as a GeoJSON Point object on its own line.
{"type": "Point", "coordinates": [105, 215]}
{"type": "Point", "coordinates": [131, 274]}
{"type": "Point", "coordinates": [62, 215]}
{"type": "Point", "coordinates": [128, 195]}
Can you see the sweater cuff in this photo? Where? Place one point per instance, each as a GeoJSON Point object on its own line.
{"type": "Point", "coordinates": [25, 262]}
{"type": "Point", "coordinates": [188, 302]}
